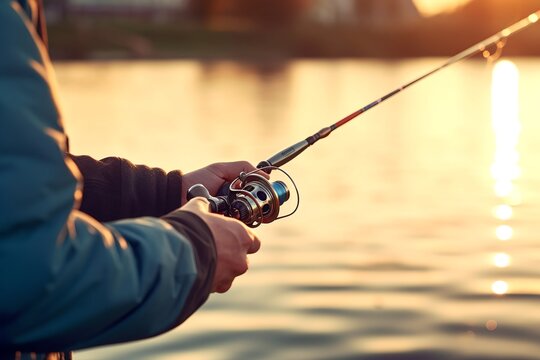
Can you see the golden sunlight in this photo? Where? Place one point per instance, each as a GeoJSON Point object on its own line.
{"type": "Point", "coordinates": [501, 260]}
{"type": "Point", "coordinates": [506, 126]}
{"type": "Point", "coordinates": [503, 212]}
{"type": "Point", "coordinates": [499, 287]}
{"type": "Point", "coordinates": [505, 103]}
{"type": "Point", "coordinates": [503, 188]}
{"type": "Point", "coordinates": [504, 232]}
{"type": "Point", "coordinates": [434, 7]}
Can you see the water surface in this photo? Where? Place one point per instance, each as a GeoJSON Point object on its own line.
{"type": "Point", "coordinates": [417, 233]}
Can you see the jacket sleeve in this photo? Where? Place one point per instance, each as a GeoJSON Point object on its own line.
{"type": "Point", "coordinates": [116, 189]}
{"type": "Point", "coordinates": [68, 281]}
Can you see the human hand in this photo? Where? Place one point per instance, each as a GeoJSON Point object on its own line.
{"type": "Point", "coordinates": [215, 175]}
{"type": "Point", "coordinates": [233, 242]}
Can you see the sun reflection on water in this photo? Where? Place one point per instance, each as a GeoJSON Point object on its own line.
{"type": "Point", "coordinates": [504, 232]}
{"type": "Point", "coordinates": [503, 212]}
{"type": "Point", "coordinates": [501, 260]}
{"type": "Point", "coordinates": [505, 169]}
{"type": "Point", "coordinates": [503, 188]}
{"type": "Point", "coordinates": [499, 287]}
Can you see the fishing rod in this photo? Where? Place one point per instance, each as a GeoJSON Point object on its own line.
{"type": "Point", "coordinates": [499, 39]}
{"type": "Point", "coordinates": [254, 200]}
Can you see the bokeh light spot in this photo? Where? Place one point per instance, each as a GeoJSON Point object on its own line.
{"type": "Point", "coordinates": [491, 325]}
{"type": "Point", "coordinates": [504, 232]}
{"type": "Point", "coordinates": [499, 287]}
{"type": "Point", "coordinates": [501, 260]}
{"type": "Point", "coordinates": [503, 212]}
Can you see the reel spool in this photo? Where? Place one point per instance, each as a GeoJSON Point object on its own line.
{"type": "Point", "coordinates": [251, 198]}
{"type": "Point", "coordinates": [258, 200]}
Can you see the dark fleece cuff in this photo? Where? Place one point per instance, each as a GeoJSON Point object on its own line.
{"type": "Point", "coordinates": [198, 233]}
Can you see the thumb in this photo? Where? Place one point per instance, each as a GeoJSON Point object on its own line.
{"type": "Point", "coordinates": [197, 204]}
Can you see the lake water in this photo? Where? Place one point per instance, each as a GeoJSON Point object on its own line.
{"type": "Point", "coordinates": [417, 235]}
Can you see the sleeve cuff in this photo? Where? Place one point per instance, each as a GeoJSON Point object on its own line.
{"type": "Point", "coordinates": [195, 230]}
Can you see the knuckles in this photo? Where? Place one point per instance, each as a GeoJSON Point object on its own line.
{"type": "Point", "coordinates": [242, 267]}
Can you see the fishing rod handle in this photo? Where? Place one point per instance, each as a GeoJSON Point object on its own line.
{"type": "Point", "coordinates": [284, 156]}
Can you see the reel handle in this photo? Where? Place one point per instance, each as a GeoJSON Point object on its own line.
{"type": "Point", "coordinates": [218, 204]}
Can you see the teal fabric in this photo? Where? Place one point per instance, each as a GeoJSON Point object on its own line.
{"type": "Point", "coordinates": [66, 281]}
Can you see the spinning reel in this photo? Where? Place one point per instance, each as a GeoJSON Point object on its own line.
{"type": "Point", "coordinates": [250, 198]}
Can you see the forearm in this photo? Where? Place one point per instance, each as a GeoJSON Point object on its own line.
{"type": "Point", "coordinates": [94, 285]}
{"type": "Point", "coordinates": [116, 189]}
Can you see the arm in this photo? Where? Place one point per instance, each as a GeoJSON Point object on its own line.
{"type": "Point", "coordinates": [115, 189]}
{"type": "Point", "coordinates": [68, 281]}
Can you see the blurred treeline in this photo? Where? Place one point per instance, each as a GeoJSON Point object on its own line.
{"type": "Point", "coordinates": [277, 29]}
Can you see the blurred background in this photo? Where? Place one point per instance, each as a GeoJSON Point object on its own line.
{"type": "Point", "coordinates": [417, 235]}
{"type": "Point", "coordinates": [263, 29]}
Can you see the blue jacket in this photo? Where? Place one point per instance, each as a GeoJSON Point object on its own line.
{"type": "Point", "coordinates": [67, 280]}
